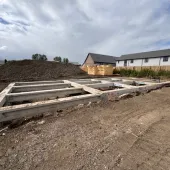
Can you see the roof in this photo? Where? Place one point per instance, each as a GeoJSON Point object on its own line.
{"type": "Point", "coordinates": [100, 58]}
{"type": "Point", "coordinates": [150, 54]}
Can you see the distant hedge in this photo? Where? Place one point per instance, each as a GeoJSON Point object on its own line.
{"type": "Point", "coordinates": [142, 73]}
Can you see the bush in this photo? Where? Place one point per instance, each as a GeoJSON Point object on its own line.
{"type": "Point", "coordinates": [142, 73]}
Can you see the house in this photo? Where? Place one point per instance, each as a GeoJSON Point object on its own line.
{"type": "Point", "coordinates": [151, 58]}
{"type": "Point", "coordinates": [99, 59]}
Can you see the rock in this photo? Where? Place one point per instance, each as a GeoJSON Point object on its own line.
{"type": "Point", "coordinates": [80, 106]}
{"type": "Point", "coordinates": [41, 122]}
{"type": "Point", "coordinates": [89, 104]}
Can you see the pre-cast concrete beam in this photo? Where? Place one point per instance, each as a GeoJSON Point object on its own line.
{"type": "Point", "coordinates": [3, 94]}
{"type": "Point", "coordinates": [100, 85]}
{"type": "Point", "coordinates": [37, 82]}
{"type": "Point", "coordinates": [42, 95]}
{"type": "Point", "coordinates": [33, 109]}
{"type": "Point", "coordinates": [112, 94]}
{"type": "Point", "coordinates": [88, 82]}
{"type": "Point", "coordinates": [85, 87]}
{"type": "Point", "coordinates": [108, 84]}
{"type": "Point", "coordinates": [27, 88]}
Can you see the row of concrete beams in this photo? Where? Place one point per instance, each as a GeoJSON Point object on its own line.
{"type": "Point", "coordinates": [14, 112]}
{"type": "Point", "coordinates": [112, 94]}
{"type": "Point", "coordinates": [42, 95]}
{"type": "Point", "coordinates": [38, 87]}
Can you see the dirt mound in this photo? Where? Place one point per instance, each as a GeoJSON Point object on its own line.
{"type": "Point", "coordinates": [28, 70]}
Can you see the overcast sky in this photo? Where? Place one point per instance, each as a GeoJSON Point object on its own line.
{"type": "Point", "coordinates": [73, 28]}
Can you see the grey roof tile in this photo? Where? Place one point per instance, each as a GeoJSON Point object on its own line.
{"type": "Point", "coordinates": [150, 54]}
{"type": "Point", "coordinates": [103, 58]}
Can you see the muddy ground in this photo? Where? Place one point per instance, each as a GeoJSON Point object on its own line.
{"type": "Point", "coordinates": [128, 134]}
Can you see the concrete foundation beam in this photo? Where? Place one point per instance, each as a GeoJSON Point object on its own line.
{"type": "Point", "coordinates": [42, 95]}
{"type": "Point", "coordinates": [100, 85]}
{"type": "Point", "coordinates": [33, 109]}
{"type": "Point", "coordinates": [3, 94]}
{"type": "Point", "coordinates": [85, 87]}
{"type": "Point", "coordinates": [88, 82]}
{"type": "Point", "coordinates": [37, 82]}
{"type": "Point", "coordinates": [27, 88]}
{"type": "Point", "coordinates": [112, 94]}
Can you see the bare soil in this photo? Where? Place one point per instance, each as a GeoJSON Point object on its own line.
{"type": "Point", "coordinates": [128, 134]}
{"type": "Point", "coordinates": [31, 70]}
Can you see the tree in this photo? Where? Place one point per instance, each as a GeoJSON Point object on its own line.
{"type": "Point", "coordinates": [57, 59]}
{"type": "Point", "coordinates": [5, 61]}
{"type": "Point", "coordinates": [65, 60]}
{"type": "Point", "coordinates": [35, 57]}
{"type": "Point", "coordinates": [39, 57]}
{"type": "Point", "coordinates": [42, 57]}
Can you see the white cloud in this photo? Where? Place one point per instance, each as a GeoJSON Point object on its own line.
{"type": "Point", "coordinates": [72, 28]}
{"type": "Point", "coordinates": [2, 48]}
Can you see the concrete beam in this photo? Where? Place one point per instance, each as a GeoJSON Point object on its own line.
{"type": "Point", "coordinates": [39, 87]}
{"type": "Point", "coordinates": [118, 84]}
{"type": "Point", "coordinates": [100, 85]}
{"type": "Point", "coordinates": [7, 90]}
{"type": "Point", "coordinates": [85, 87]}
{"type": "Point", "coordinates": [33, 109]}
{"type": "Point", "coordinates": [37, 82]}
{"type": "Point", "coordinates": [42, 95]}
{"type": "Point", "coordinates": [108, 84]}
{"type": "Point", "coordinates": [112, 94]}
{"type": "Point", "coordinates": [88, 82]}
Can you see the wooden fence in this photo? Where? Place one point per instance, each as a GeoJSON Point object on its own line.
{"type": "Point", "coordinates": [98, 70]}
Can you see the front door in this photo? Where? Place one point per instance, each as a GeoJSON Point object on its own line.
{"type": "Point", "coordinates": [125, 63]}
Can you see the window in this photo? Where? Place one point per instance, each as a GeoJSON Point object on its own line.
{"type": "Point", "coordinates": [146, 60]}
{"type": "Point", "coordinates": [131, 61]}
{"type": "Point", "coordinates": [165, 59]}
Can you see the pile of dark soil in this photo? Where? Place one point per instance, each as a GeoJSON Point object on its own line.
{"type": "Point", "coordinates": [31, 70]}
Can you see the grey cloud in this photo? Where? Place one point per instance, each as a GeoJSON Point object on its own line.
{"type": "Point", "coordinates": [72, 28]}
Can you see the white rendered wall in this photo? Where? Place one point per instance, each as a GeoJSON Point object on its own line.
{"type": "Point", "coordinates": [119, 64]}
{"type": "Point", "coordinates": [151, 62]}
{"type": "Point", "coordinates": [139, 62]}
{"type": "Point", "coordinates": [163, 63]}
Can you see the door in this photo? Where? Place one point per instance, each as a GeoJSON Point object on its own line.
{"type": "Point", "coordinates": [125, 63]}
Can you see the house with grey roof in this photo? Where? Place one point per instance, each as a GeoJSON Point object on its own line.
{"type": "Point", "coordinates": [99, 59]}
{"type": "Point", "coordinates": [151, 58]}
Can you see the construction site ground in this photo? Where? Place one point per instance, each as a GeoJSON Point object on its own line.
{"type": "Point", "coordinates": [128, 134]}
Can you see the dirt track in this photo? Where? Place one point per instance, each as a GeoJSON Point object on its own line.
{"type": "Point", "coordinates": [129, 134]}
